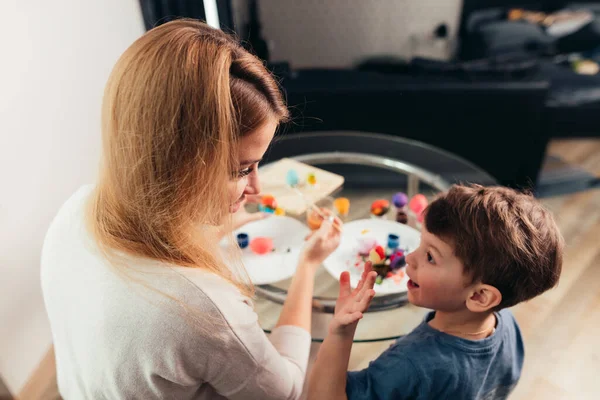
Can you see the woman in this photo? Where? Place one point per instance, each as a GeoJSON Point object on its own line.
{"type": "Point", "coordinates": [141, 303]}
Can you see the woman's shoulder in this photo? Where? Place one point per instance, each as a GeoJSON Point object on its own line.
{"type": "Point", "coordinates": [232, 305]}
{"type": "Point", "coordinates": [70, 215]}
{"type": "Point", "coordinates": [75, 203]}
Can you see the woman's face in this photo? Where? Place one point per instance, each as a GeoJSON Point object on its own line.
{"type": "Point", "coordinates": [252, 147]}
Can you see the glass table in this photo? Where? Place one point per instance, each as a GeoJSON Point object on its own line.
{"type": "Point", "coordinates": [374, 167]}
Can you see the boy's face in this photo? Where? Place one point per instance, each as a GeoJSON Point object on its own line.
{"type": "Point", "coordinates": [436, 276]}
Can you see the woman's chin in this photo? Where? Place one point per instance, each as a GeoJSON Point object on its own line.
{"type": "Point", "coordinates": [234, 207]}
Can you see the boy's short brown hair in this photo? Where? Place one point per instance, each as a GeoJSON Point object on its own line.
{"type": "Point", "coordinates": [504, 238]}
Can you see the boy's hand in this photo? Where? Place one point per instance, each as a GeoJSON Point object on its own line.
{"type": "Point", "coordinates": [351, 304]}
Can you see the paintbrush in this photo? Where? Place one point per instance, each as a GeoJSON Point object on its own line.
{"type": "Point", "coordinates": [316, 209]}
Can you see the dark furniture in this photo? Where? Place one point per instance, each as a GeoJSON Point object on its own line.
{"type": "Point", "coordinates": [499, 119]}
{"type": "Point", "coordinates": [496, 126]}
{"type": "Point", "coordinates": [573, 100]}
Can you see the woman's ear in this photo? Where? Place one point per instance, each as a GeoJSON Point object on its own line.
{"type": "Point", "coordinates": [483, 298]}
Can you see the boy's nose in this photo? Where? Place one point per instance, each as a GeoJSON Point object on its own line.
{"type": "Point", "coordinates": [410, 260]}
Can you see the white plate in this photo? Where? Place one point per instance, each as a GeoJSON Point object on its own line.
{"type": "Point", "coordinates": [287, 233]}
{"type": "Point", "coordinates": [344, 258]}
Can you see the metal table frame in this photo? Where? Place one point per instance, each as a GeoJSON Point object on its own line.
{"type": "Point", "coordinates": [415, 176]}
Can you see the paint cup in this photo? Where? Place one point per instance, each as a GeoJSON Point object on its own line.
{"type": "Point", "coordinates": [393, 241]}
{"type": "Point", "coordinates": [243, 240]}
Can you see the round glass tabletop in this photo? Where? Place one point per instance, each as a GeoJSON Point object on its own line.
{"type": "Point", "coordinates": [374, 167]}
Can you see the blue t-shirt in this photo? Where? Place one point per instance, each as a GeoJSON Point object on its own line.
{"type": "Point", "coordinates": [429, 364]}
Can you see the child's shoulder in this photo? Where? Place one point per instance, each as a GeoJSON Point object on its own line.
{"type": "Point", "coordinates": [509, 322]}
{"type": "Point", "coordinates": [507, 315]}
{"type": "Point", "coordinates": [433, 364]}
{"type": "Point", "coordinates": [426, 345]}
{"type": "Point", "coordinates": [417, 345]}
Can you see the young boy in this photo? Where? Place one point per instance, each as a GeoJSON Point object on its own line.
{"type": "Point", "coordinates": [482, 250]}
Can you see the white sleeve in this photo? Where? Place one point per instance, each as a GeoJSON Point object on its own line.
{"type": "Point", "coordinates": [241, 361]}
{"type": "Point", "coordinates": [280, 364]}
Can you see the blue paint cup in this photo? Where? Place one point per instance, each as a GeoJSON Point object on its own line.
{"type": "Point", "coordinates": [243, 240]}
{"type": "Point", "coordinates": [393, 241]}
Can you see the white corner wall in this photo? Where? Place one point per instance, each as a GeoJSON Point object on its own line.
{"type": "Point", "coordinates": [342, 33]}
{"type": "Point", "coordinates": [56, 58]}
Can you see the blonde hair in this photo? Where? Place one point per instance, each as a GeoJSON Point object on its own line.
{"type": "Point", "coordinates": [175, 106]}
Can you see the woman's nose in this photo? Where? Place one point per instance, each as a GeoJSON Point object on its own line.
{"type": "Point", "coordinates": [253, 184]}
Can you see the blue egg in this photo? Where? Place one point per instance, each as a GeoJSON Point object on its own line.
{"type": "Point", "coordinates": [291, 178]}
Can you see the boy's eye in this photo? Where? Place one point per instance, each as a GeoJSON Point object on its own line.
{"type": "Point", "coordinates": [430, 258]}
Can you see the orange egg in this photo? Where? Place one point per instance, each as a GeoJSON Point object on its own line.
{"type": "Point", "coordinates": [314, 220]}
{"type": "Point", "coordinates": [342, 205]}
{"type": "Point", "coordinates": [380, 207]}
{"type": "Point", "coordinates": [269, 201]}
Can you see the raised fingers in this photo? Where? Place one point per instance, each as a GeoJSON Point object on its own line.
{"type": "Point", "coordinates": [367, 286]}
{"type": "Point", "coordinates": [367, 268]}
{"type": "Point", "coordinates": [366, 300]}
{"type": "Point", "coordinates": [345, 288]}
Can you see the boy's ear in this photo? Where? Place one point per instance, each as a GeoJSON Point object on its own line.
{"type": "Point", "coordinates": [483, 298]}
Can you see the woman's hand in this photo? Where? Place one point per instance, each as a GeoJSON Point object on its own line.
{"type": "Point", "coordinates": [242, 217]}
{"type": "Point", "coordinates": [351, 304]}
{"type": "Point", "coordinates": [321, 243]}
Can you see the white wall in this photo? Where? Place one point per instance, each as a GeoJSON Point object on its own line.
{"type": "Point", "coordinates": [341, 33]}
{"type": "Point", "coordinates": [55, 59]}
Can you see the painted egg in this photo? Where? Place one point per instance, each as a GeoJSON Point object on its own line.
{"type": "Point", "coordinates": [261, 245]}
{"type": "Point", "coordinates": [366, 242]}
{"type": "Point", "coordinates": [398, 260]}
{"type": "Point", "coordinates": [400, 199]}
{"type": "Point", "coordinates": [418, 203]}
{"type": "Point", "coordinates": [291, 178]}
{"type": "Point", "coordinates": [342, 205]}
{"type": "Point", "coordinates": [279, 211]}
{"type": "Point", "coordinates": [380, 207]}
{"type": "Point", "coordinates": [377, 255]}
{"type": "Point", "coordinates": [269, 201]}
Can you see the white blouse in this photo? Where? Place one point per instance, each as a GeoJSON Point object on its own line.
{"type": "Point", "coordinates": [160, 332]}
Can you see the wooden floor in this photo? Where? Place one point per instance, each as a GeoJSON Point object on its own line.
{"type": "Point", "coordinates": [4, 394]}
{"type": "Point", "coordinates": [561, 328]}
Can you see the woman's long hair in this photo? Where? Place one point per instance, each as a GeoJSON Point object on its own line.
{"type": "Point", "coordinates": [177, 102]}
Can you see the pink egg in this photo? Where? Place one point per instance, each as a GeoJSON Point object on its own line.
{"type": "Point", "coordinates": [366, 242]}
{"type": "Point", "coordinates": [261, 245]}
{"type": "Point", "coordinates": [418, 203]}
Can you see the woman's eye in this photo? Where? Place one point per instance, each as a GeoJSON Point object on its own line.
{"type": "Point", "coordinates": [430, 258]}
{"type": "Point", "coordinates": [245, 172]}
